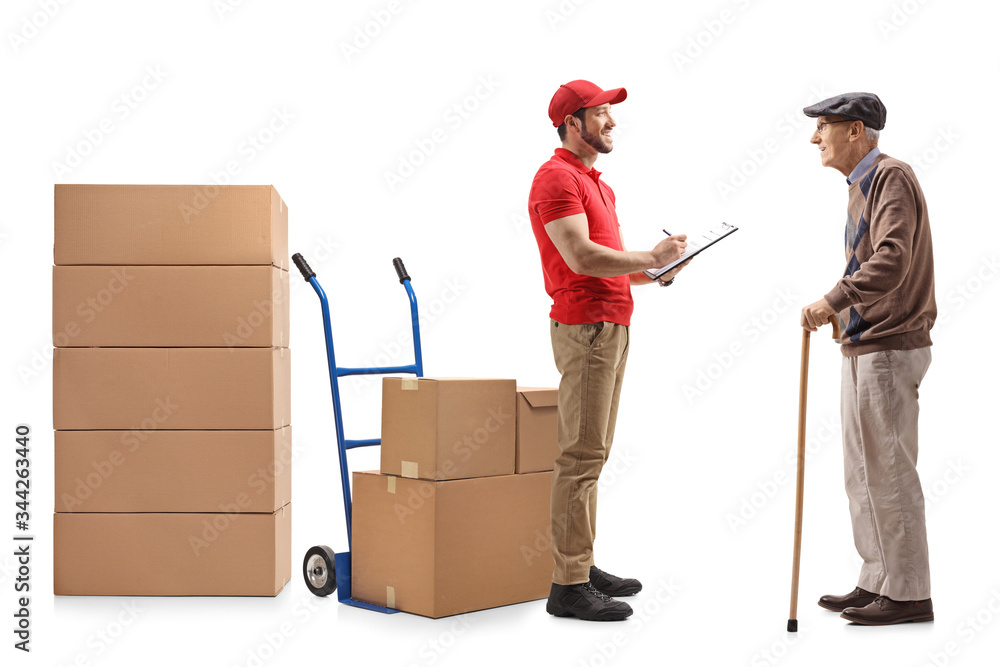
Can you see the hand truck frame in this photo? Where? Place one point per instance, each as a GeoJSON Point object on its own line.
{"type": "Point", "coordinates": [325, 571]}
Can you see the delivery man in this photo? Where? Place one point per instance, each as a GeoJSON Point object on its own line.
{"type": "Point", "coordinates": [588, 273]}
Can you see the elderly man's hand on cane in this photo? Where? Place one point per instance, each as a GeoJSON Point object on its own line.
{"type": "Point", "coordinates": [816, 315]}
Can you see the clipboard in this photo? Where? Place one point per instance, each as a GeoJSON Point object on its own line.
{"type": "Point", "coordinates": [696, 244]}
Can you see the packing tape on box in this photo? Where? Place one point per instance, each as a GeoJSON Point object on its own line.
{"type": "Point", "coordinates": [390, 597]}
{"type": "Point", "coordinates": [408, 469]}
{"type": "Point", "coordinates": [409, 384]}
{"type": "Point", "coordinates": [391, 484]}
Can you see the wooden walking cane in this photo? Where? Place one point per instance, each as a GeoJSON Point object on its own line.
{"type": "Point", "coordinates": [800, 472]}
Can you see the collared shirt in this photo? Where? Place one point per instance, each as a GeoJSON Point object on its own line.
{"type": "Point", "coordinates": [564, 186]}
{"type": "Point", "coordinates": [862, 167]}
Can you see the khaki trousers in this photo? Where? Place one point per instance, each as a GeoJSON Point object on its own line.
{"type": "Point", "coordinates": [879, 414]}
{"type": "Point", "coordinates": [591, 359]}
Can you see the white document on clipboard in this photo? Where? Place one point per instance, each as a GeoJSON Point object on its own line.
{"type": "Point", "coordinates": [695, 244]}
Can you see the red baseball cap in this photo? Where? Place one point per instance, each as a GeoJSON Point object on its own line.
{"type": "Point", "coordinates": [579, 94]}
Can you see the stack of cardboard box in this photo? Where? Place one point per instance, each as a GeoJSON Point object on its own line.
{"type": "Point", "coordinates": [171, 391]}
{"type": "Point", "coordinates": [457, 519]}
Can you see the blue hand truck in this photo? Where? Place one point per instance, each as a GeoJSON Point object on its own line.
{"type": "Point", "coordinates": [324, 570]}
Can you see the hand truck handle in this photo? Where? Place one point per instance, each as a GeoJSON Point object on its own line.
{"type": "Point", "coordinates": [300, 262]}
{"type": "Point", "coordinates": [400, 270]}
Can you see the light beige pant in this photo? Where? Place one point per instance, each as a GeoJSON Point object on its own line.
{"type": "Point", "coordinates": [591, 359]}
{"type": "Point", "coordinates": [879, 414]}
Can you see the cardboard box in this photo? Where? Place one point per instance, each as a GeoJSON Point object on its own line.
{"type": "Point", "coordinates": [172, 471]}
{"type": "Point", "coordinates": [169, 306]}
{"type": "Point", "coordinates": [172, 554]}
{"type": "Point", "coordinates": [170, 224]}
{"type": "Point", "coordinates": [447, 428]}
{"type": "Point", "coordinates": [442, 548]}
{"type": "Point", "coordinates": [537, 444]}
{"type": "Point", "coordinates": [170, 388]}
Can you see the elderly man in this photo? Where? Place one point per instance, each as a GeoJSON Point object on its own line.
{"type": "Point", "coordinates": [588, 274]}
{"type": "Point", "coordinates": [886, 304]}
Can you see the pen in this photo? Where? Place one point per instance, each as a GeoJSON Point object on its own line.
{"type": "Point", "coordinates": [667, 233]}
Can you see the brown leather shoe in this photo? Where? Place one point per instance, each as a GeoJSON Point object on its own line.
{"type": "Point", "coordinates": [859, 597]}
{"type": "Point", "coordinates": [884, 611]}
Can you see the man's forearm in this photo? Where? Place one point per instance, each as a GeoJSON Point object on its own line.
{"type": "Point", "coordinates": [878, 276]}
{"type": "Point", "coordinates": [603, 262]}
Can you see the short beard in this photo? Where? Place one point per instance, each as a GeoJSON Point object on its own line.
{"type": "Point", "coordinates": [594, 140]}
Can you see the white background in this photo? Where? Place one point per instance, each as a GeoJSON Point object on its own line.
{"type": "Point", "coordinates": [699, 500]}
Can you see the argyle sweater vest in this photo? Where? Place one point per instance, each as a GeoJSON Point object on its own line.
{"type": "Point", "coordinates": [885, 299]}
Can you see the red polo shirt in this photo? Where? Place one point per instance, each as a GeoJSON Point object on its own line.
{"type": "Point", "coordinates": [564, 186]}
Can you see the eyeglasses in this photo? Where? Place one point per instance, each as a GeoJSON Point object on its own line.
{"type": "Point", "coordinates": [822, 126]}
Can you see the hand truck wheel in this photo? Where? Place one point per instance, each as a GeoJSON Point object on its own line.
{"type": "Point", "coordinates": [319, 571]}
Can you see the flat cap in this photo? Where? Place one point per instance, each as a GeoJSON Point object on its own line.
{"type": "Point", "coordinates": [866, 107]}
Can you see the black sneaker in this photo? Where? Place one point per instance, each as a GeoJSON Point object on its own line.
{"type": "Point", "coordinates": [611, 585]}
{"type": "Point", "coordinates": [585, 602]}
